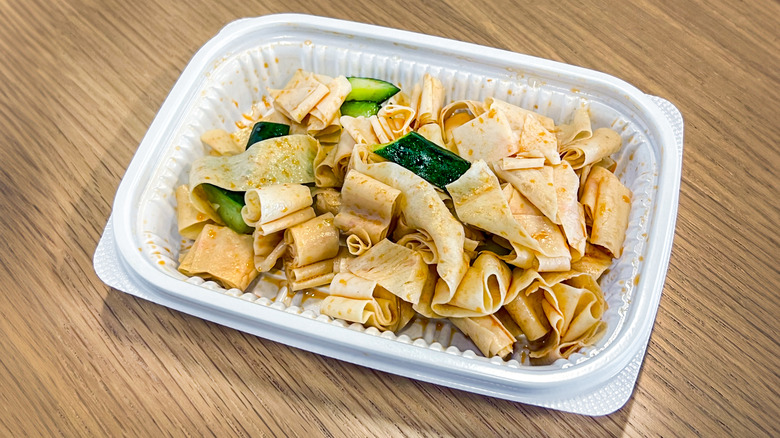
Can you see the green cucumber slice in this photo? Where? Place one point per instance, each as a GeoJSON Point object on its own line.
{"type": "Point", "coordinates": [228, 206]}
{"type": "Point", "coordinates": [428, 160]}
{"type": "Point", "coordinates": [359, 108]}
{"type": "Point", "coordinates": [370, 90]}
{"type": "Point", "coordinates": [265, 130]}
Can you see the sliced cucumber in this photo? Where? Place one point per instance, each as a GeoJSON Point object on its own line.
{"type": "Point", "coordinates": [265, 130]}
{"type": "Point", "coordinates": [370, 90]}
{"type": "Point", "coordinates": [228, 206]}
{"type": "Point", "coordinates": [359, 108]}
{"type": "Point", "coordinates": [428, 160]}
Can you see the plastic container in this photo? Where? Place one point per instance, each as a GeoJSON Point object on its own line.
{"type": "Point", "coordinates": [139, 248]}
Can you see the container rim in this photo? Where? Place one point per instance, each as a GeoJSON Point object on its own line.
{"type": "Point", "coordinates": [354, 346]}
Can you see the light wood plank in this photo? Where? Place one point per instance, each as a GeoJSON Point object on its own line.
{"type": "Point", "coordinates": [80, 82]}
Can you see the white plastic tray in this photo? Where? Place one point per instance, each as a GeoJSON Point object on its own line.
{"type": "Point", "coordinates": [138, 250]}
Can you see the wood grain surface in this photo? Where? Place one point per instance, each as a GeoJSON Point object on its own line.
{"type": "Point", "coordinates": [80, 82]}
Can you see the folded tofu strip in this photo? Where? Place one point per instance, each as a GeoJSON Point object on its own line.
{"type": "Point", "coordinates": [356, 299]}
{"type": "Point", "coordinates": [456, 114]}
{"type": "Point", "coordinates": [570, 213]}
{"type": "Point", "coordinates": [326, 200]}
{"type": "Point", "coordinates": [327, 109]}
{"type": "Point", "coordinates": [330, 164]}
{"type": "Point", "coordinates": [392, 122]}
{"type": "Point", "coordinates": [268, 249]}
{"type": "Point", "coordinates": [398, 269]}
{"type": "Point", "coordinates": [312, 246]}
{"type": "Point", "coordinates": [312, 241]}
{"type": "Point", "coordinates": [422, 243]}
{"type": "Point", "coordinates": [432, 132]}
{"type": "Point", "coordinates": [607, 204]}
{"type": "Point", "coordinates": [603, 143]}
{"type": "Point", "coordinates": [221, 142]}
{"type": "Point", "coordinates": [271, 203]}
{"type": "Point", "coordinates": [536, 184]}
{"type": "Point", "coordinates": [488, 334]}
{"type": "Point", "coordinates": [301, 95]}
{"type": "Point", "coordinates": [479, 201]}
{"type": "Point", "coordinates": [367, 207]}
{"type": "Point", "coordinates": [517, 115]}
{"type": "Point", "coordinates": [482, 291]}
{"type": "Point", "coordinates": [221, 254]}
{"type": "Point", "coordinates": [360, 129]}
{"type": "Point", "coordinates": [487, 137]}
{"type": "Point", "coordinates": [189, 220]}
{"type": "Point", "coordinates": [536, 140]}
{"type": "Point", "coordinates": [578, 129]}
{"type": "Point", "coordinates": [427, 100]}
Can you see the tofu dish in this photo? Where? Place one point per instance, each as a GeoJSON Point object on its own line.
{"type": "Point", "coordinates": [397, 204]}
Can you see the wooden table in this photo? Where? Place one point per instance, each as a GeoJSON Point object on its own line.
{"type": "Point", "coordinates": [80, 82]}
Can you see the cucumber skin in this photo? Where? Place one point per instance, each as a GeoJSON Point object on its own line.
{"type": "Point", "coordinates": [357, 108]}
{"type": "Point", "coordinates": [426, 159]}
{"type": "Point", "coordinates": [370, 90]}
{"type": "Point", "coordinates": [230, 205]}
{"type": "Point", "coordinates": [265, 130]}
